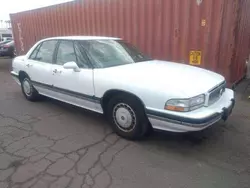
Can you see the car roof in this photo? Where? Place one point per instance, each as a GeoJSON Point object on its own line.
{"type": "Point", "coordinates": [82, 38]}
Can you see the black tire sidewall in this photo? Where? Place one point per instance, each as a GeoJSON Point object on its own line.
{"type": "Point", "coordinates": [34, 93]}
{"type": "Point", "coordinates": [142, 124]}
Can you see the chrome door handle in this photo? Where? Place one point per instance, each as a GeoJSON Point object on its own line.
{"type": "Point", "coordinates": [57, 71]}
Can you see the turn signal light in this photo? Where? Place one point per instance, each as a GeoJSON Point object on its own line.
{"type": "Point", "coordinates": [175, 108]}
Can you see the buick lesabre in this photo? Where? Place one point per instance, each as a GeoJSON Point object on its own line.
{"type": "Point", "coordinates": [112, 77]}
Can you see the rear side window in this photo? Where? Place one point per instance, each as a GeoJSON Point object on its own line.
{"type": "Point", "coordinates": [46, 51]}
{"type": "Point", "coordinates": [6, 35]}
{"type": "Point", "coordinates": [34, 53]}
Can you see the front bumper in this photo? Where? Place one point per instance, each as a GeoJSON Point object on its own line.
{"type": "Point", "coordinates": [195, 120]}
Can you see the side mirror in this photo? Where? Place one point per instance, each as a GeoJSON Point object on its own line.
{"type": "Point", "coordinates": [72, 65]}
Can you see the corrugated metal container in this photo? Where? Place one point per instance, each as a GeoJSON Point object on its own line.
{"type": "Point", "coordinates": [214, 34]}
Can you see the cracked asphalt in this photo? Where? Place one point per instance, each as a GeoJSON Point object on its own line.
{"type": "Point", "coordinates": [50, 144]}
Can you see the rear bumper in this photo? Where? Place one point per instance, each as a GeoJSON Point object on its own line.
{"type": "Point", "coordinates": [194, 121]}
{"type": "Point", "coordinates": [6, 52]}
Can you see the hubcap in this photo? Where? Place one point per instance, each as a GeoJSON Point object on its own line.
{"type": "Point", "coordinates": [27, 87]}
{"type": "Point", "coordinates": [124, 117]}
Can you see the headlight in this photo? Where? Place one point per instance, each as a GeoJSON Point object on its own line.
{"type": "Point", "coordinates": [185, 105]}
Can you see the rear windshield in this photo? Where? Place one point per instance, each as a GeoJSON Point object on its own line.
{"type": "Point", "coordinates": [10, 43]}
{"type": "Point", "coordinates": [4, 42]}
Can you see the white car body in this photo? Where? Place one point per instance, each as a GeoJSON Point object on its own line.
{"type": "Point", "coordinates": [152, 82]}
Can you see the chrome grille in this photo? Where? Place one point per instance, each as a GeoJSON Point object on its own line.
{"type": "Point", "coordinates": [216, 93]}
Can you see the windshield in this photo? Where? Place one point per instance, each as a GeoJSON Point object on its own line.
{"type": "Point", "coordinates": [4, 42]}
{"type": "Point", "coordinates": [10, 43]}
{"type": "Point", "coordinates": [109, 53]}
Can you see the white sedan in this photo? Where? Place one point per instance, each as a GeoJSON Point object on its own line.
{"type": "Point", "coordinates": [136, 93]}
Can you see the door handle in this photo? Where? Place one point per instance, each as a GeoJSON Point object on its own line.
{"type": "Point", "coordinates": [28, 65]}
{"type": "Point", "coordinates": [56, 71]}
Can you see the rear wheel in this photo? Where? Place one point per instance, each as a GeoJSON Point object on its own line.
{"type": "Point", "coordinates": [127, 117]}
{"type": "Point", "coordinates": [28, 89]}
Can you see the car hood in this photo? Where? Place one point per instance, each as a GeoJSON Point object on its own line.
{"type": "Point", "coordinates": [183, 80]}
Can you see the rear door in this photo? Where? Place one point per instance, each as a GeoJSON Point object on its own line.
{"type": "Point", "coordinates": [38, 65]}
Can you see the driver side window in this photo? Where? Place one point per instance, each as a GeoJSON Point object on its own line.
{"type": "Point", "coordinates": [65, 53]}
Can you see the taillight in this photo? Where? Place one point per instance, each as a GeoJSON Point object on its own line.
{"type": "Point", "coordinates": [5, 46]}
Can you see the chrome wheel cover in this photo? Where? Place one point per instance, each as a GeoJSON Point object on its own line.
{"type": "Point", "coordinates": [124, 117]}
{"type": "Point", "coordinates": [27, 88]}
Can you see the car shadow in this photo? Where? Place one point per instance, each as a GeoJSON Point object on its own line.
{"type": "Point", "coordinates": [189, 139]}
{"type": "Point", "coordinates": [81, 113]}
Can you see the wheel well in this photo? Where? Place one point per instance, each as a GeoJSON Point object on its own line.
{"type": "Point", "coordinates": [112, 93]}
{"type": "Point", "coordinates": [22, 75]}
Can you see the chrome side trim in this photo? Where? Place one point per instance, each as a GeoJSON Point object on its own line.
{"type": "Point", "coordinates": [195, 125]}
{"type": "Point", "coordinates": [87, 104]}
{"type": "Point", "coordinates": [173, 127]}
{"type": "Point", "coordinates": [219, 85]}
{"type": "Point", "coordinates": [217, 92]}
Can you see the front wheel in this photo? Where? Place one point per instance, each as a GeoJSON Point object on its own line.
{"type": "Point", "coordinates": [28, 90]}
{"type": "Point", "coordinates": [127, 117]}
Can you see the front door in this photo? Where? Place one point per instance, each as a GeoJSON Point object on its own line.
{"type": "Point", "coordinates": [75, 87]}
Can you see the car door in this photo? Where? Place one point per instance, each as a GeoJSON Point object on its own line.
{"type": "Point", "coordinates": [38, 65]}
{"type": "Point", "coordinates": [75, 87]}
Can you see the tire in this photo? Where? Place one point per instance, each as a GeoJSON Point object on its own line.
{"type": "Point", "coordinates": [127, 117]}
{"type": "Point", "coordinates": [13, 54]}
{"type": "Point", "coordinates": [28, 90]}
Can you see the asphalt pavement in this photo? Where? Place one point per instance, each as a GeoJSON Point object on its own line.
{"type": "Point", "coordinates": [52, 144]}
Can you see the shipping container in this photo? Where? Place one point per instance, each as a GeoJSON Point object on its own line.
{"type": "Point", "coordinates": [213, 34]}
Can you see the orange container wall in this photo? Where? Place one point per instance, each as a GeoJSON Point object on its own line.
{"type": "Point", "coordinates": [213, 34]}
{"type": "Point", "coordinates": [242, 41]}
